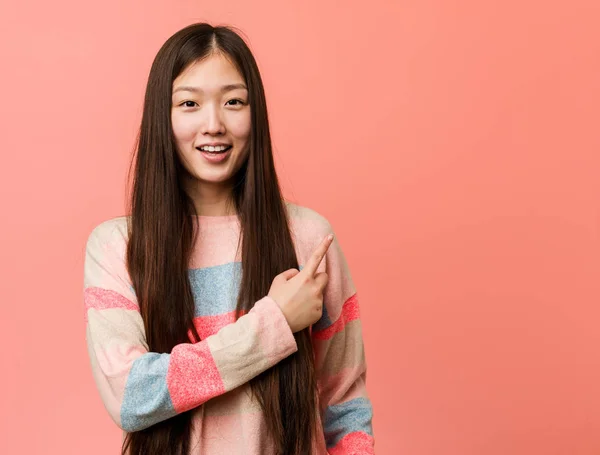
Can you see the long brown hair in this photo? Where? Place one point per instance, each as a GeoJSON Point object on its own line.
{"type": "Point", "coordinates": [162, 232]}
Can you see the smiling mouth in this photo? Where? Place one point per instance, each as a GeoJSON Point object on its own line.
{"type": "Point", "coordinates": [214, 150]}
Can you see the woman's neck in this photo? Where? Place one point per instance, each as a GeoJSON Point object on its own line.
{"type": "Point", "coordinates": [212, 199]}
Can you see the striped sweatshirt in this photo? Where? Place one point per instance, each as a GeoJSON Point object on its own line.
{"type": "Point", "coordinates": [140, 388]}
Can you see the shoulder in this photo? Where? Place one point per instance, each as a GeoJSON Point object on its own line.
{"type": "Point", "coordinates": [112, 231]}
{"type": "Point", "coordinates": [308, 228]}
{"type": "Point", "coordinates": [307, 221]}
{"type": "Point", "coordinates": [105, 260]}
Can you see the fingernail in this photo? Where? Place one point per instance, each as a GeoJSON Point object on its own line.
{"type": "Point", "coordinates": [330, 237]}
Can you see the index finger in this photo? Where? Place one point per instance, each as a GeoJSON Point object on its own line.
{"type": "Point", "coordinates": [317, 256]}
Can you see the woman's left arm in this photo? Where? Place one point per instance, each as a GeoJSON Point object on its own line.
{"type": "Point", "coordinates": [346, 410]}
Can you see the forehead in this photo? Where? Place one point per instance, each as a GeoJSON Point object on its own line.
{"type": "Point", "coordinates": [209, 73]}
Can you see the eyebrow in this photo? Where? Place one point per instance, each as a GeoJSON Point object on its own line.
{"type": "Point", "coordinates": [225, 88]}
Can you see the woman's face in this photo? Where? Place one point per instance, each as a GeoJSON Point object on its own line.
{"type": "Point", "coordinates": [211, 119]}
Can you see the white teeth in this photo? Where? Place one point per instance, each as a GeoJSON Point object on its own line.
{"type": "Point", "coordinates": [209, 148]}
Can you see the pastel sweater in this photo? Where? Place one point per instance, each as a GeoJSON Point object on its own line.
{"type": "Point", "coordinates": [140, 388]}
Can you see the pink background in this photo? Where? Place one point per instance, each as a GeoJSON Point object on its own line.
{"type": "Point", "coordinates": [454, 146]}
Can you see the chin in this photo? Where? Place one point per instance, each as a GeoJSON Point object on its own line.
{"type": "Point", "coordinates": [213, 178]}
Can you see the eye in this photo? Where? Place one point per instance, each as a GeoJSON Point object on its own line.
{"type": "Point", "coordinates": [237, 102]}
{"type": "Point", "coordinates": [186, 104]}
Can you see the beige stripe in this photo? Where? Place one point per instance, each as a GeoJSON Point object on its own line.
{"type": "Point", "coordinates": [344, 350]}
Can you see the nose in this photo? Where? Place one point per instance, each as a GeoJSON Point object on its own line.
{"type": "Point", "coordinates": [212, 122]}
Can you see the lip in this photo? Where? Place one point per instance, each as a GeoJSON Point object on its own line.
{"type": "Point", "coordinates": [213, 144]}
{"type": "Point", "coordinates": [215, 158]}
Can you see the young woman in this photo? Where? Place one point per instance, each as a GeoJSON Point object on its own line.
{"type": "Point", "coordinates": [220, 318]}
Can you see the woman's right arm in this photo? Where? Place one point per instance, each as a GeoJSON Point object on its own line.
{"type": "Point", "coordinates": [140, 388]}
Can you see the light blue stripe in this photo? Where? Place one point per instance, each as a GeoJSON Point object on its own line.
{"type": "Point", "coordinates": [216, 289]}
{"type": "Point", "coordinates": [146, 400]}
{"type": "Point", "coordinates": [345, 418]}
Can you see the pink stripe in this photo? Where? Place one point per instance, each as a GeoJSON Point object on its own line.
{"type": "Point", "coordinates": [354, 443]}
{"type": "Point", "coordinates": [104, 299]}
{"type": "Point", "coordinates": [350, 312]}
{"type": "Point", "coordinates": [193, 377]}
{"type": "Point", "coordinates": [209, 325]}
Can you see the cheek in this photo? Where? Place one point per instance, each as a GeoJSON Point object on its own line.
{"type": "Point", "coordinates": [240, 126]}
{"type": "Point", "coordinates": [184, 128]}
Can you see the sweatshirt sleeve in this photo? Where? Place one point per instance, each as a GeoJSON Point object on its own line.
{"type": "Point", "coordinates": [346, 410]}
{"type": "Point", "coordinates": [140, 388]}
